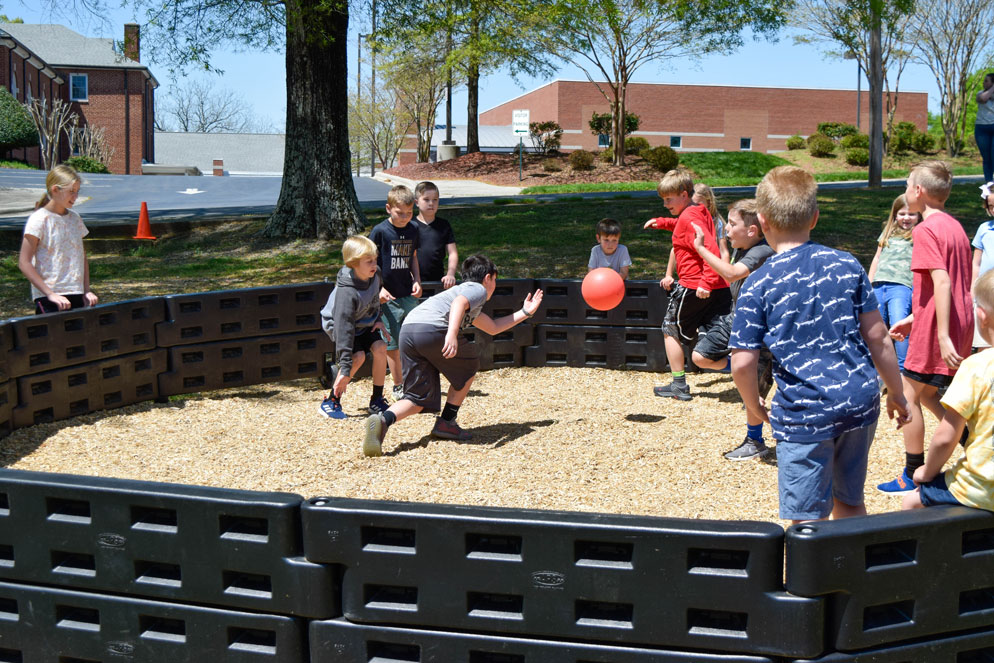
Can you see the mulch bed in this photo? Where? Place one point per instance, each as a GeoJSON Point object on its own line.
{"type": "Point", "coordinates": [544, 438]}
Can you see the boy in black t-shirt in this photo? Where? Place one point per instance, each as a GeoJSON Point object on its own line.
{"type": "Point", "coordinates": [438, 258]}
{"type": "Point", "coordinates": [397, 242]}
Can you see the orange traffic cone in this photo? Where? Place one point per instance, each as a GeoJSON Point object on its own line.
{"type": "Point", "coordinates": [144, 229]}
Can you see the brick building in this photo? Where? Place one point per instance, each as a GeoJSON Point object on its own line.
{"type": "Point", "coordinates": [105, 88]}
{"type": "Point", "coordinates": [696, 118]}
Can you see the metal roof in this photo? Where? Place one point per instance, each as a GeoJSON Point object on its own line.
{"type": "Point", "coordinates": [242, 153]}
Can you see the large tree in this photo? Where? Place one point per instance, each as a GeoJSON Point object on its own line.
{"type": "Point", "coordinates": [611, 40]}
{"type": "Point", "coordinates": [317, 198]}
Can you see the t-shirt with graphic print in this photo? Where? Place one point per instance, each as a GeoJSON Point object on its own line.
{"type": "Point", "coordinates": [804, 305]}
{"type": "Point", "coordinates": [396, 247]}
{"type": "Point", "coordinates": [60, 258]}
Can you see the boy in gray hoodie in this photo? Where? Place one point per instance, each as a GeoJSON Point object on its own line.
{"type": "Point", "coordinates": [351, 317]}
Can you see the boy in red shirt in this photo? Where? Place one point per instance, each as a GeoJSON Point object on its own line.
{"type": "Point", "coordinates": [701, 295]}
{"type": "Point", "coordinates": [941, 309]}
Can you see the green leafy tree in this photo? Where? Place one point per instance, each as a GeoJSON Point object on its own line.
{"type": "Point", "coordinates": [611, 40]}
{"type": "Point", "coordinates": [603, 123]}
{"type": "Point", "coordinates": [16, 127]}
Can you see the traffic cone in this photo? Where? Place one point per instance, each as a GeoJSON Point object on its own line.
{"type": "Point", "coordinates": [144, 229]}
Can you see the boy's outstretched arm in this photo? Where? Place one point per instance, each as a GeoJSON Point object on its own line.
{"type": "Point", "coordinates": [727, 271]}
{"type": "Point", "coordinates": [947, 435]}
{"type": "Point", "coordinates": [493, 327]}
{"type": "Point", "coordinates": [877, 337]}
{"type": "Point", "coordinates": [744, 363]}
{"type": "Point", "coordinates": [943, 305]}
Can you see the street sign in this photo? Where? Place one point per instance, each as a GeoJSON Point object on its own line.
{"type": "Point", "coordinates": [519, 122]}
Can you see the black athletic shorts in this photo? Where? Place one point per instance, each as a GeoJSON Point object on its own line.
{"type": "Point", "coordinates": [686, 312]}
{"type": "Point", "coordinates": [422, 361]}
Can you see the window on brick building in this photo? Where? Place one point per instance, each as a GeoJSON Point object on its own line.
{"type": "Point", "coordinates": [745, 144]}
{"type": "Point", "coordinates": [603, 141]}
{"type": "Point", "coordinates": [79, 87]}
{"type": "Point", "coordinates": [13, 83]}
{"type": "Point", "coordinates": [676, 142]}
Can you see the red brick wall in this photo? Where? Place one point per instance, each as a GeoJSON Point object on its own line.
{"type": "Point", "coordinates": [27, 76]}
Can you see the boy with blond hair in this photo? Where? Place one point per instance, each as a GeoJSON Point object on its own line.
{"type": "Point", "coordinates": [941, 309]}
{"type": "Point", "coordinates": [702, 295]}
{"type": "Point", "coordinates": [967, 402]}
{"type": "Point", "coordinates": [397, 240]}
{"type": "Point", "coordinates": [814, 308]}
{"type": "Point", "coordinates": [351, 317]}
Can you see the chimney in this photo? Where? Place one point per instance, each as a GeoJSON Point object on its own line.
{"type": "Point", "coordinates": [132, 42]}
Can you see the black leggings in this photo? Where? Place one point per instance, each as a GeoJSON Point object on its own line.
{"type": "Point", "coordinates": [45, 305]}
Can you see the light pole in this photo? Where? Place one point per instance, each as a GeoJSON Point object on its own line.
{"type": "Point", "coordinates": [372, 93]}
{"type": "Point", "coordinates": [358, 96]}
{"type": "Point", "coordinates": [851, 55]}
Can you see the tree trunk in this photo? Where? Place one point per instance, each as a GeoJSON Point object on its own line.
{"type": "Point", "coordinates": [876, 98]}
{"type": "Point", "coordinates": [317, 198]}
{"type": "Point", "coordinates": [473, 108]}
{"type": "Point", "coordinates": [619, 124]}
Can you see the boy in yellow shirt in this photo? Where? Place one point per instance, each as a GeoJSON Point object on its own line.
{"type": "Point", "coordinates": [967, 403]}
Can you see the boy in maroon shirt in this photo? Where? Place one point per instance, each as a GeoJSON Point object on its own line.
{"type": "Point", "coordinates": [941, 309]}
{"type": "Point", "coordinates": [701, 295]}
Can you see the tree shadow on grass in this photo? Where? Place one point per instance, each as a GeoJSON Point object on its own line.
{"type": "Point", "coordinates": [494, 436]}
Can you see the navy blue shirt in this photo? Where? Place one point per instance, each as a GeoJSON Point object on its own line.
{"type": "Point", "coordinates": [804, 305]}
{"type": "Point", "coordinates": [396, 248]}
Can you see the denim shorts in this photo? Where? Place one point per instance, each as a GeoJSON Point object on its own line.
{"type": "Point", "coordinates": [811, 475]}
{"type": "Point", "coordinates": [935, 492]}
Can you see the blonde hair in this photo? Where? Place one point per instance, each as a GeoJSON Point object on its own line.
{"type": "Point", "coordinates": [787, 197]}
{"type": "Point", "coordinates": [891, 229]}
{"type": "Point", "coordinates": [747, 211]}
{"type": "Point", "coordinates": [710, 202]}
{"type": "Point", "coordinates": [675, 181]}
{"type": "Point", "coordinates": [357, 247]}
{"type": "Point", "coordinates": [61, 176]}
{"type": "Point", "coordinates": [983, 292]}
{"type": "Point", "coordinates": [400, 195]}
{"type": "Point", "coordinates": [934, 177]}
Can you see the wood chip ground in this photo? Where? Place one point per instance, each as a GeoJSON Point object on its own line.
{"type": "Point", "coordinates": [575, 439]}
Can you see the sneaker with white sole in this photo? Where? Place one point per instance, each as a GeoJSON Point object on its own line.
{"type": "Point", "coordinates": [398, 392]}
{"type": "Point", "coordinates": [902, 484]}
{"type": "Point", "coordinates": [376, 429]}
{"type": "Point", "coordinates": [748, 450]}
{"type": "Point", "coordinates": [378, 405]}
{"type": "Point", "coordinates": [449, 430]}
{"type": "Point", "coordinates": [673, 390]}
{"type": "Point", "coordinates": [331, 407]}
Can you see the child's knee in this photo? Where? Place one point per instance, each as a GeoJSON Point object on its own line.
{"type": "Point", "coordinates": [379, 349]}
{"type": "Point", "coordinates": [912, 500]}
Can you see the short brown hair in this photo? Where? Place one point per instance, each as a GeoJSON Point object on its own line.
{"type": "Point", "coordinates": [400, 195]}
{"type": "Point", "coordinates": [424, 186]}
{"type": "Point", "coordinates": [747, 211]}
{"type": "Point", "coordinates": [608, 228]}
{"type": "Point", "coordinates": [787, 197]}
{"type": "Point", "coordinates": [934, 177]}
{"type": "Point", "coordinates": [675, 181]}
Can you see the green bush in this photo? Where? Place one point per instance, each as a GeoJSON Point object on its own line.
{"type": "Point", "coordinates": [86, 165]}
{"type": "Point", "coordinates": [16, 127]}
{"type": "Point", "coordinates": [551, 166]}
{"type": "Point", "coordinates": [795, 142]}
{"type": "Point", "coordinates": [581, 160]}
{"type": "Point", "coordinates": [607, 156]}
{"type": "Point", "coordinates": [837, 130]}
{"type": "Point", "coordinates": [923, 143]}
{"type": "Point", "coordinates": [815, 136]}
{"type": "Point", "coordinates": [661, 157]}
{"type": "Point", "coordinates": [635, 145]}
{"type": "Point", "coordinates": [546, 137]}
{"type": "Point", "coordinates": [901, 137]}
{"type": "Point", "coordinates": [858, 156]}
{"type": "Point", "coordinates": [855, 140]}
{"type": "Point", "coordinates": [820, 145]}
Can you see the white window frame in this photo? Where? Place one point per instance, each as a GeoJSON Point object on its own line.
{"type": "Point", "coordinates": [86, 83]}
{"type": "Point", "coordinates": [676, 142]}
{"type": "Point", "coordinates": [745, 149]}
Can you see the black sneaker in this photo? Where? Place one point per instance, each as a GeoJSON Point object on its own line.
{"type": "Point", "coordinates": [398, 392]}
{"type": "Point", "coordinates": [748, 450]}
{"type": "Point", "coordinates": [673, 390]}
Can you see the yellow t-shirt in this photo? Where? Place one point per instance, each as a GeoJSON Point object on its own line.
{"type": "Point", "coordinates": [971, 395]}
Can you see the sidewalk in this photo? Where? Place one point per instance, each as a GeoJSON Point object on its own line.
{"type": "Point", "coordinates": [455, 188]}
{"type": "Point", "coordinates": [14, 201]}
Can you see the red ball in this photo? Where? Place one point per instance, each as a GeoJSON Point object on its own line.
{"type": "Point", "coordinates": [603, 288]}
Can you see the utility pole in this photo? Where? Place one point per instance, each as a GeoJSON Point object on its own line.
{"type": "Point", "coordinates": [372, 94]}
{"type": "Point", "coordinates": [358, 96]}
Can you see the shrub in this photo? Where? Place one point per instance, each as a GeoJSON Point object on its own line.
{"type": "Point", "coordinates": [546, 137]}
{"type": "Point", "coordinates": [86, 165]}
{"type": "Point", "coordinates": [855, 140]}
{"type": "Point", "coordinates": [635, 145]}
{"type": "Point", "coordinates": [858, 156]}
{"type": "Point", "coordinates": [16, 127]}
{"type": "Point", "coordinates": [607, 156]}
{"type": "Point", "coordinates": [581, 160]}
{"type": "Point", "coordinates": [661, 157]}
{"type": "Point", "coordinates": [820, 145]}
{"type": "Point", "coordinates": [815, 136]}
{"type": "Point", "coordinates": [551, 166]}
{"type": "Point", "coordinates": [837, 130]}
{"type": "Point", "coordinates": [795, 142]}
{"type": "Point", "coordinates": [901, 136]}
{"type": "Point", "coordinates": [923, 143]}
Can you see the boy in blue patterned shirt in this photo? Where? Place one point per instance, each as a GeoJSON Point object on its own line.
{"type": "Point", "coordinates": [814, 308]}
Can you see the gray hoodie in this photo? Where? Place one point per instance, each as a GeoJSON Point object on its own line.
{"type": "Point", "coordinates": [352, 308]}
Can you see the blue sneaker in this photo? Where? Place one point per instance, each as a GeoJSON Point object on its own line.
{"type": "Point", "coordinates": [331, 407]}
{"type": "Point", "coordinates": [378, 405]}
{"type": "Point", "coordinates": [902, 484]}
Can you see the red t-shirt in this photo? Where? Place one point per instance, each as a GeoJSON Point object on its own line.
{"type": "Point", "coordinates": [690, 266]}
{"type": "Point", "coordinates": [939, 243]}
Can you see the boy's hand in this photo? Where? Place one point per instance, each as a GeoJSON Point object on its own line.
{"type": "Point", "coordinates": [921, 476]}
{"type": "Point", "coordinates": [698, 239]}
{"type": "Point", "coordinates": [901, 329]}
{"type": "Point", "coordinates": [949, 354]}
{"type": "Point", "coordinates": [666, 283]}
{"type": "Point", "coordinates": [651, 223]}
{"type": "Point", "coordinates": [341, 383]}
{"type": "Point", "coordinates": [448, 282]}
{"type": "Point", "coordinates": [703, 293]}
{"type": "Point", "coordinates": [416, 289]}
{"type": "Point", "coordinates": [451, 345]}
{"type": "Point", "coordinates": [385, 296]}
{"type": "Point", "coordinates": [379, 326]}
{"type": "Point", "coordinates": [89, 298]}
{"type": "Point", "coordinates": [532, 302]}
{"type": "Point", "coordinates": [898, 404]}
{"type": "Point", "coordinates": [758, 410]}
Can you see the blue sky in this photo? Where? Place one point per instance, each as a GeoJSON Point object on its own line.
{"type": "Point", "coordinates": [260, 77]}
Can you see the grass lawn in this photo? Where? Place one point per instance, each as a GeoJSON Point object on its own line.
{"type": "Point", "coordinates": [540, 240]}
